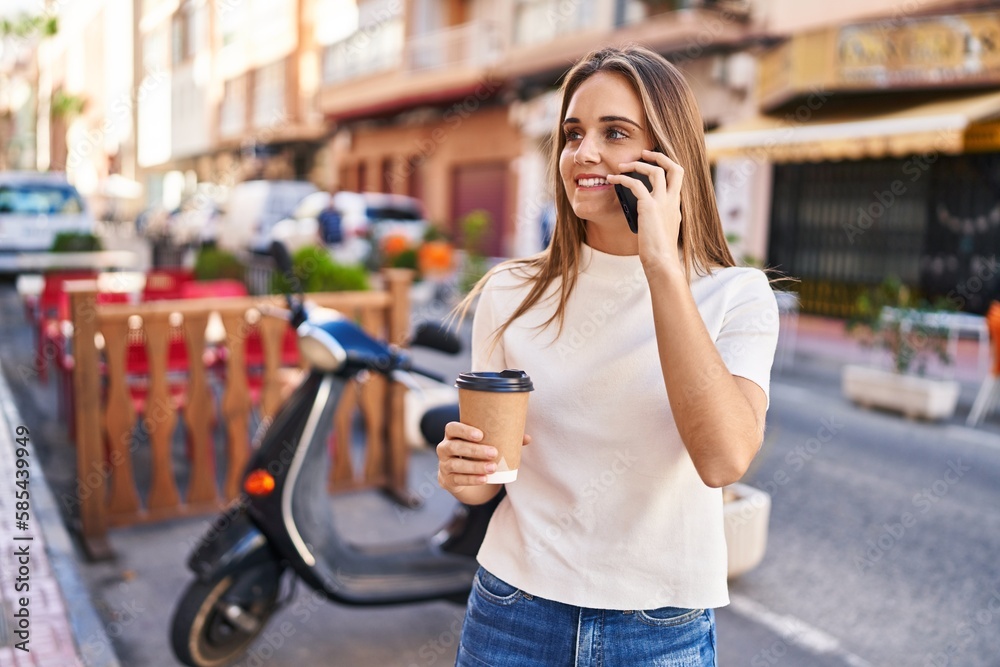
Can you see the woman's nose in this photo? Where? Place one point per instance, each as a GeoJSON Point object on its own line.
{"type": "Point", "coordinates": [586, 152]}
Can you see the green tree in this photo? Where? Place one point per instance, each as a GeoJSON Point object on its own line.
{"type": "Point", "coordinates": [25, 26]}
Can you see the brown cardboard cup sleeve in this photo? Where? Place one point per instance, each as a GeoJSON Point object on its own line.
{"type": "Point", "coordinates": [497, 404]}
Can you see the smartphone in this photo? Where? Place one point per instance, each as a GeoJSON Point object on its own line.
{"type": "Point", "coordinates": [628, 200]}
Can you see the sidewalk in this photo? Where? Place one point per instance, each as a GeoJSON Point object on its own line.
{"type": "Point", "coordinates": [47, 610]}
{"type": "Point", "coordinates": [824, 340]}
{"type": "Point", "coordinates": [822, 348]}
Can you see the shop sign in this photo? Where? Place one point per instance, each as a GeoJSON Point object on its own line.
{"type": "Point", "coordinates": [934, 51]}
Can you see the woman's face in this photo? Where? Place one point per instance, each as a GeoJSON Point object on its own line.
{"type": "Point", "coordinates": [604, 126]}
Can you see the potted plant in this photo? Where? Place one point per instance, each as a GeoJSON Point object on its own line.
{"type": "Point", "coordinates": [318, 272]}
{"type": "Point", "coordinates": [214, 264]}
{"type": "Point", "coordinates": [436, 255]}
{"type": "Point", "coordinates": [746, 514]}
{"type": "Point", "coordinates": [890, 318]}
{"type": "Point", "coordinates": [76, 242]}
{"type": "Point", "coordinates": [475, 225]}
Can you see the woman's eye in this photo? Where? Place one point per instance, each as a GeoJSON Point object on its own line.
{"type": "Point", "coordinates": [612, 133]}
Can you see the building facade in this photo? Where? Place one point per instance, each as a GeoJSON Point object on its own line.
{"type": "Point", "coordinates": [454, 101]}
{"type": "Point", "coordinates": [228, 93]}
{"type": "Point", "coordinates": [881, 138]}
{"type": "Point", "coordinates": [848, 143]}
{"type": "Point", "coordinates": [70, 102]}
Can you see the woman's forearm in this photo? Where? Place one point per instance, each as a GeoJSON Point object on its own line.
{"type": "Point", "coordinates": [715, 419]}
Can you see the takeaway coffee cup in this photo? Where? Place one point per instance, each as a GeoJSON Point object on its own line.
{"type": "Point", "coordinates": [497, 404]}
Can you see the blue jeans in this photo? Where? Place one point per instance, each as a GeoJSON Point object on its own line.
{"type": "Point", "coordinates": [506, 627]}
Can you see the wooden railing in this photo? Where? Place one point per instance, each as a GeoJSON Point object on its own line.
{"type": "Point", "coordinates": [106, 421]}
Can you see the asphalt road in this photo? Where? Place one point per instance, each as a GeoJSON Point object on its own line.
{"type": "Point", "coordinates": [883, 545]}
{"type": "Point", "coordinates": [885, 536]}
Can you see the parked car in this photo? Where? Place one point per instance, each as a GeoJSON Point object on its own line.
{"type": "Point", "coordinates": [366, 219]}
{"type": "Point", "coordinates": [34, 208]}
{"type": "Point", "coordinates": [253, 209]}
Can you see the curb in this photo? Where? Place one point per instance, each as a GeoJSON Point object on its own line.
{"type": "Point", "coordinates": [92, 642]}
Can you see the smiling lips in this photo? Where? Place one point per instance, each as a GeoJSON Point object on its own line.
{"type": "Point", "coordinates": [591, 181]}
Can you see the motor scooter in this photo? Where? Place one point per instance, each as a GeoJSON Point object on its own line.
{"type": "Point", "coordinates": [281, 526]}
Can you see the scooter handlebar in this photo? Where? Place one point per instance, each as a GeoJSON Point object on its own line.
{"type": "Point", "coordinates": [427, 374]}
{"type": "Point", "coordinates": [404, 363]}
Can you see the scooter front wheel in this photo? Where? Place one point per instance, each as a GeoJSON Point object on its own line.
{"type": "Point", "coordinates": [209, 630]}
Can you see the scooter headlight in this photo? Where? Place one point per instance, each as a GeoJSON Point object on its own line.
{"type": "Point", "coordinates": [319, 348]}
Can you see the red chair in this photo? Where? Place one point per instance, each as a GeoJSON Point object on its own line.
{"type": "Point", "coordinates": [137, 366]}
{"type": "Point", "coordinates": [64, 362]}
{"type": "Point", "coordinates": [52, 310]}
{"type": "Point", "coordinates": [255, 358]}
{"type": "Point", "coordinates": [164, 284]}
{"type": "Point", "coordinates": [206, 289]}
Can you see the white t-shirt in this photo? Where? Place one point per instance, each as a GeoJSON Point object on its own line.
{"type": "Point", "coordinates": [608, 510]}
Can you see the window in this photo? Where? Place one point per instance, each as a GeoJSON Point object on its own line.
{"type": "Point", "coordinates": [362, 176]}
{"type": "Point", "coordinates": [335, 20]}
{"type": "Point", "coordinates": [195, 38]}
{"type": "Point", "coordinates": [232, 114]}
{"type": "Point", "coordinates": [177, 39]}
{"type": "Point", "coordinates": [269, 94]}
{"type": "Point", "coordinates": [155, 56]}
{"type": "Point", "coordinates": [414, 184]}
{"type": "Point", "coordinates": [387, 175]}
{"type": "Point", "coordinates": [269, 18]}
{"type": "Point", "coordinates": [402, 213]}
{"type": "Point", "coordinates": [375, 43]}
{"type": "Point", "coordinates": [232, 15]}
{"type": "Point", "coordinates": [39, 200]}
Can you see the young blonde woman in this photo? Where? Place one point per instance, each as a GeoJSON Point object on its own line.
{"type": "Point", "coordinates": [650, 355]}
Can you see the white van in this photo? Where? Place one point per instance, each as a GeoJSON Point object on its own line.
{"type": "Point", "coordinates": [252, 210]}
{"type": "Point", "coordinates": [34, 208]}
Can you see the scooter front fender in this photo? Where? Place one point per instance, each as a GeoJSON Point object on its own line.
{"type": "Point", "coordinates": [232, 543]}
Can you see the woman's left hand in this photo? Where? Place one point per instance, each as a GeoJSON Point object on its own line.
{"type": "Point", "coordinates": [659, 210]}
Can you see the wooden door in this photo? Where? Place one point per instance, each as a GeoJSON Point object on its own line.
{"type": "Point", "coordinates": [482, 186]}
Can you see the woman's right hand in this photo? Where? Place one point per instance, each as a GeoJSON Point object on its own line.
{"type": "Point", "coordinates": [464, 462]}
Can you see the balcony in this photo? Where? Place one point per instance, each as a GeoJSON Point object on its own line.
{"type": "Point", "coordinates": [382, 72]}
{"type": "Point", "coordinates": [632, 11]}
{"type": "Point", "coordinates": [371, 50]}
{"type": "Point", "coordinates": [541, 21]}
{"type": "Point", "coordinates": [472, 44]}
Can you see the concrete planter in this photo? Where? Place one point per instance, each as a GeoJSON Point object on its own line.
{"type": "Point", "coordinates": [747, 514]}
{"type": "Point", "coordinates": [416, 403]}
{"type": "Point", "coordinates": [915, 397]}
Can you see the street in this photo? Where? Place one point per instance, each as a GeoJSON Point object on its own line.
{"type": "Point", "coordinates": [882, 550]}
{"type": "Point", "coordinates": [884, 535]}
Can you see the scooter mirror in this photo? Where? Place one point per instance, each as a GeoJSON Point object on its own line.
{"type": "Point", "coordinates": [436, 336]}
{"type": "Point", "coordinates": [284, 263]}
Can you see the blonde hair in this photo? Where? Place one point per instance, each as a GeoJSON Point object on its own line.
{"type": "Point", "coordinates": [675, 125]}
